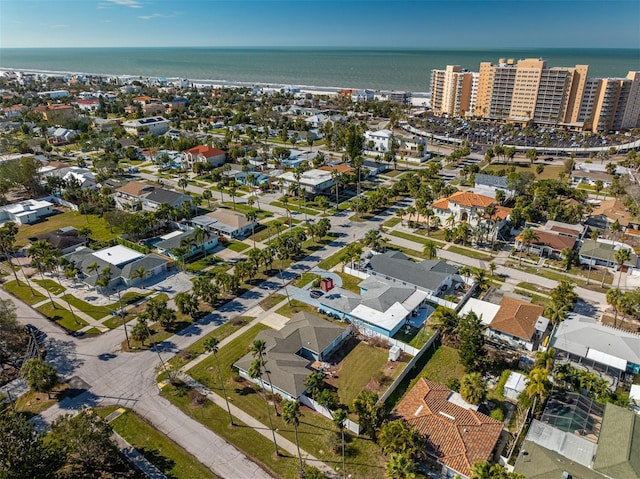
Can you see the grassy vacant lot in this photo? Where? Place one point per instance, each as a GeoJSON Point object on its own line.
{"type": "Point", "coordinates": [63, 317]}
{"type": "Point", "coordinates": [197, 348]}
{"type": "Point", "coordinates": [549, 173]}
{"type": "Point", "coordinates": [50, 285]}
{"type": "Point", "coordinates": [357, 369]}
{"type": "Point", "coordinates": [23, 292]}
{"type": "Point", "coordinates": [162, 452]}
{"type": "Point", "coordinates": [272, 300]}
{"type": "Point", "coordinates": [99, 229]}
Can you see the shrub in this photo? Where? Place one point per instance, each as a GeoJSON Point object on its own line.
{"type": "Point", "coordinates": [497, 414]}
{"type": "Point", "coordinates": [196, 398]}
{"type": "Point", "coordinates": [501, 382]}
{"type": "Point", "coordinates": [453, 384]}
{"type": "Point", "coordinates": [316, 283]}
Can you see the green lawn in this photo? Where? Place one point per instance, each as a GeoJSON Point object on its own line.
{"type": "Point", "coordinates": [417, 239]}
{"type": "Point", "coordinates": [357, 369]}
{"type": "Point", "coordinates": [272, 300]}
{"type": "Point", "coordinates": [242, 208]}
{"type": "Point", "coordinates": [293, 206]}
{"type": "Point", "coordinates": [416, 338]}
{"type": "Point", "coordinates": [290, 310]}
{"type": "Point", "coordinates": [63, 317]}
{"type": "Point", "coordinates": [331, 261]}
{"type": "Point", "coordinates": [236, 246]}
{"type": "Point", "coordinates": [162, 452]}
{"type": "Point", "coordinates": [23, 292]}
{"type": "Point", "coordinates": [350, 283]}
{"type": "Point", "coordinates": [468, 252]}
{"type": "Point", "coordinates": [443, 365]}
{"type": "Point", "coordinates": [50, 285]}
{"type": "Point", "coordinates": [549, 173]}
{"type": "Point", "coordinates": [99, 229]}
{"type": "Point", "coordinates": [392, 222]}
{"type": "Point", "coordinates": [305, 278]}
{"type": "Point", "coordinates": [93, 310]}
{"type": "Point", "coordinates": [197, 348]}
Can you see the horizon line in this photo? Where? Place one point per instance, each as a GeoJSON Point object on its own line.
{"type": "Point", "coordinates": [324, 47]}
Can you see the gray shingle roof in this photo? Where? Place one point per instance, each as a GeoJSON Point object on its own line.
{"type": "Point", "coordinates": [288, 370]}
{"type": "Point", "coordinates": [428, 274]}
{"type": "Point", "coordinates": [618, 453]}
{"type": "Point", "coordinates": [149, 262]}
{"type": "Point", "coordinates": [160, 195]}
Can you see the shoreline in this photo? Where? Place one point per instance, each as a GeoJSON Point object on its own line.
{"type": "Point", "coordinates": [313, 89]}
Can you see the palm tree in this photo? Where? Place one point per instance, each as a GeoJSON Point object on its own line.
{"type": "Point", "coordinates": [614, 297]}
{"type": "Point", "coordinates": [291, 415]}
{"type": "Point", "coordinates": [140, 272]}
{"type": "Point", "coordinates": [481, 470]}
{"type": "Point", "coordinates": [182, 183]}
{"type": "Point", "coordinates": [555, 312]}
{"type": "Point", "coordinates": [200, 235]}
{"type": "Point", "coordinates": [400, 466]}
{"type": "Point", "coordinates": [233, 192]}
{"type": "Point", "coordinates": [335, 177]}
{"type": "Point", "coordinates": [430, 249]}
{"type": "Point", "coordinates": [211, 346]}
{"type": "Point", "coordinates": [207, 195]}
{"type": "Point", "coordinates": [492, 268]}
{"type": "Point", "coordinates": [339, 419]}
{"type": "Point", "coordinates": [527, 237]}
{"type": "Point", "coordinates": [259, 351]}
{"type": "Point", "coordinates": [252, 216]}
{"type": "Point", "coordinates": [621, 256]}
{"type": "Point", "coordinates": [255, 372]}
{"type": "Point", "coordinates": [480, 278]}
{"type": "Point", "coordinates": [537, 385]}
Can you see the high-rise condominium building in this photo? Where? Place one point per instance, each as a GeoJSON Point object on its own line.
{"type": "Point", "coordinates": [527, 90]}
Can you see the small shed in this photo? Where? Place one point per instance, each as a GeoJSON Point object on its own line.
{"type": "Point", "coordinates": [326, 284]}
{"type": "Point", "coordinates": [516, 383]}
{"type": "Point", "coordinates": [394, 353]}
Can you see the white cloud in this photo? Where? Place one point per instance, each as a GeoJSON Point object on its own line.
{"type": "Point", "coordinates": [58, 26]}
{"type": "Point", "coordinates": [155, 15]}
{"type": "Point", "coordinates": [126, 3]}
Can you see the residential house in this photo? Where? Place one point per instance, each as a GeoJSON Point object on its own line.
{"type": "Point", "coordinates": [129, 195]}
{"type": "Point", "coordinates": [385, 307]}
{"type": "Point", "coordinates": [379, 141]}
{"type": "Point", "coordinates": [457, 435]}
{"type": "Point", "coordinates": [155, 126]}
{"type": "Point", "coordinates": [602, 252]}
{"type": "Point", "coordinates": [584, 340]}
{"type": "Point", "coordinates": [89, 104]}
{"type": "Point", "coordinates": [291, 351]}
{"type": "Point", "coordinates": [360, 96]}
{"type": "Point", "coordinates": [224, 222]}
{"type": "Point", "coordinates": [179, 238]}
{"type": "Point", "coordinates": [56, 113]}
{"type": "Point", "coordinates": [14, 111]}
{"type": "Point", "coordinates": [204, 153]}
{"type": "Point", "coordinates": [430, 276]}
{"type": "Point", "coordinates": [414, 149]}
{"type": "Point", "coordinates": [312, 182]}
{"type": "Point", "coordinates": [341, 168]}
{"type": "Point", "coordinates": [122, 262]}
{"type": "Point", "coordinates": [512, 323]}
{"type": "Point", "coordinates": [159, 196]}
{"type": "Point", "coordinates": [60, 136]}
{"type": "Point", "coordinates": [610, 211]}
{"type": "Point", "coordinates": [488, 185]}
{"type": "Point", "coordinates": [26, 212]}
{"type": "Point", "coordinates": [462, 206]}
{"type": "Point", "coordinates": [66, 240]}
{"type": "Point", "coordinates": [599, 444]}
{"type": "Point", "coordinates": [546, 243]}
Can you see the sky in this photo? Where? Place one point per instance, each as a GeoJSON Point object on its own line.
{"type": "Point", "coordinates": [308, 23]}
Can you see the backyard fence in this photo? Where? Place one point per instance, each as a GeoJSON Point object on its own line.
{"type": "Point", "coordinates": [310, 403]}
{"type": "Point", "coordinates": [396, 382]}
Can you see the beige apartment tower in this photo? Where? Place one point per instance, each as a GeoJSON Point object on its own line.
{"type": "Point", "coordinates": [452, 91]}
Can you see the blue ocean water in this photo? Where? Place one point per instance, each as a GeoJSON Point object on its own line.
{"type": "Point", "coordinates": [400, 69]}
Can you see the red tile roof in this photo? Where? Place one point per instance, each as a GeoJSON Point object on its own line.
{"type": "Point", "coordinates": [458, 437]}
{"type": "Point", "coordinates": [206, 151]}
{"type": "Point", "coordinates": [517, 318]}
{"type": "Point", "coordinates": [464, 198]}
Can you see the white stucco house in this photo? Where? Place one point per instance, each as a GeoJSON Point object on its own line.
{"type": "Point", "coordinates": [379, 141]}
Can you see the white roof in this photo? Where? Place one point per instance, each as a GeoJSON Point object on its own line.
{"type": "Point", "coordinates": [516, 382]}
{"type": "Point", "coordinates": [118, 255]}
{"type": "Point", "coordinates": [382, 133]}
{"type": "Point", "coordinates": [634, 394]}
{"type": "Point", "coordinates": [587, 338]}
{"type": "Point", "coordinates": [25, 206]}
{"type": "Point", "coordinates": [387, 320]}
{"type": "Point", "coordinates": [309, 177]}
{"type": "Point", "coordinates": [484, 310]}
{"type": "Point", "coordinates": [172, 234]}
{"type": "Point", "coordinates": [413, 301]}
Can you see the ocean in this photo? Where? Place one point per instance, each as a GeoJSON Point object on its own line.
{"type": "Point", "coordinates": [397, 69]}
